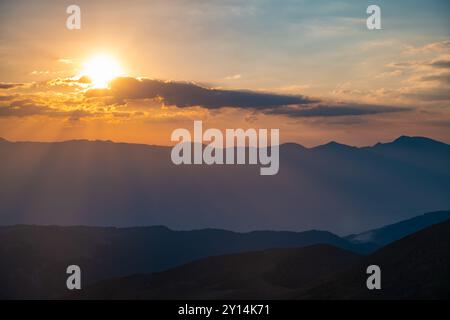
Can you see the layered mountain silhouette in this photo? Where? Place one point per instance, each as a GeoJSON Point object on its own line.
{"type": "Point", "coordinates": [387, 234]}
{"type": "Point", "coordinates": [253, 275]}
{"type": "Point", "coordinates": [415, 267]}
{"type": "Point", "coordinates": [332, 187]}
{"type": "Point", "coordinates": [37, 256]}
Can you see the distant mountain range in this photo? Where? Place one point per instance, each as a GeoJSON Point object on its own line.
{"type": "Point", "coordinates": [385, 235]}
{"type": "Point", "coordinates": [415, 267]}
{"type": "Point", "coordinates": [36, 257]}
{"type": "Point", "coordinates": [332, 187]}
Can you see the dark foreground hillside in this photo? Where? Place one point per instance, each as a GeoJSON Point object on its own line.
{"type": "Point", "coordinates": [416, 266]}
{"type": "Point", "coordinates": [252, 275]}
{"type": "Point", "coordinates": [33, 259]}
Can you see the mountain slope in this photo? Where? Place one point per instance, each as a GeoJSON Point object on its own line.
{"type": "Point", "coordinates": [251, 275]}
{"type": "Point", "coordinates": [35, 258]}
{"type": "Point", "coordinates": [333, 187]}
{"type": "Point", "coordinates": [416, 266]}
{"type": "Point", "coordinates": [390, 233]}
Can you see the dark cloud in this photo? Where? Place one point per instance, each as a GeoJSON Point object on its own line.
{"type": "Point", "coordinates": [443, 78]}
{"type": "Point", "coordinates": [76, 115]}
{"type": "Point", "coordinates": [337, 110]}
{"type": "Point", "coordinates": [22, 108]}
{"type": "Point", "coordinates": [185, 94]}
{"type": "Point", "coordinates": [6, 85]}
{"type": "Point", "coordinates": [441, 64]}
{"type": "Point", "coordinates": [440, 123]}
{"type": "Point", "coordinates": [438, 94]}
{"type": "Point", "coordinates": [6, 98]}
{"type": "Point", "coordinates": [27, 108]}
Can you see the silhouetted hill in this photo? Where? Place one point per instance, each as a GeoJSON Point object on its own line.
{"type": "Point", "coordinates": [421, 152]}
{"type": "Point", "coordinates": [334, 146]}
{"type": "Point", "coordinates": [390, 233]}
{"type": "Point", "coordinates": [34, 258]}
{"type": "Point", "coordinates": [332, 187]}
{"type": "Point", "coordinates": [251, 275]}
{"type": "Point", "coordinates": [415, 267]}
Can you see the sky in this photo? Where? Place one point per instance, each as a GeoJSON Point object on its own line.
{"type": "Point", "coordinates": [310, 68]}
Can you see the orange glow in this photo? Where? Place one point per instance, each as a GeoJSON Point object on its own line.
{"type": "Point", "coordinates": [101, 69]}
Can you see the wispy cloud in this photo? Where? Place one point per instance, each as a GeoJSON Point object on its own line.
{"type": "Point", "coordinates": [335, 110]}
{"type": "Point", "coordinates": [430, 47]}
{"type": "Point", "coordinates": [7, 85]}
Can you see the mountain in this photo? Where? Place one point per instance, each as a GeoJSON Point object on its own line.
{"type": "Point", "coordinates": [418, 151]}
{"type": "Point", "coordinates": [35, 258]}
{"type": "Point", "coordinates": [385, 235]}
{"type": "Point", "coordinates": [332, 187]}
{"type": "Point", "coordinates": [415, 267]}
{"type": "Point", "coordinates": [250, 275]}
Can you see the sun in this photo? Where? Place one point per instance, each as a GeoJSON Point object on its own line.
{"type": "Point", "coordinates": [101, 69]}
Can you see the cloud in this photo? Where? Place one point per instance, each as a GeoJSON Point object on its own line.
{"type": "Point", "coordinates": [62, 81]}
{"type": "Point", "coordinates": [130, 93]}
{"type": "Point", "coordinates": [425, 81]}
{"type": "Point", "coordinates": [438, 64]}
{"type": "Point", "coordinates": [6, 98]}
{"type": "Point", "coordinates": [6, 85]}
{"type": "Point", "coordinates": [23, 108]}
{"type": "Point", "coordinates": [234, 77]}
{"type": "Point", "coordinates": [27, 108]}
{"type": "Point", "coordinates": [433, 94]}
{"type": "Point", "coordinates": [443, 78]}
{"type": "Point", "coordinates": [431, 47]}
{"type": "Point", "coordinates": [441, 64]}
{"type": "Point", "coordinates": [66, 61]}
{"type": "Point", "coordinates": [186, 94]}
{"type": "Point", "coordinates": [335, 110]}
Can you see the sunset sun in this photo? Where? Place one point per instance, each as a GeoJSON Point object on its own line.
{"type": "Point", "coordinates": [101, 69]}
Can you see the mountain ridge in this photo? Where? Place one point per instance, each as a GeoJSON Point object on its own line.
{"type": "Point", "coordinates": [104, 183]}
{"type": "Point", "coordinates": [403, 139]}
{"type": "Point", "coordinates": [413, 267]}
{"type": "Point", "coordinates": [37, 266]}
{"type": "Point", "coordinates": [39, 255]}
{"type": "Point", "coordinates": [389, 233]}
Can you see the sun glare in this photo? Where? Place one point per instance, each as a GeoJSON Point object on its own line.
{"type": "Point", "coordinates": [101, 69]}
